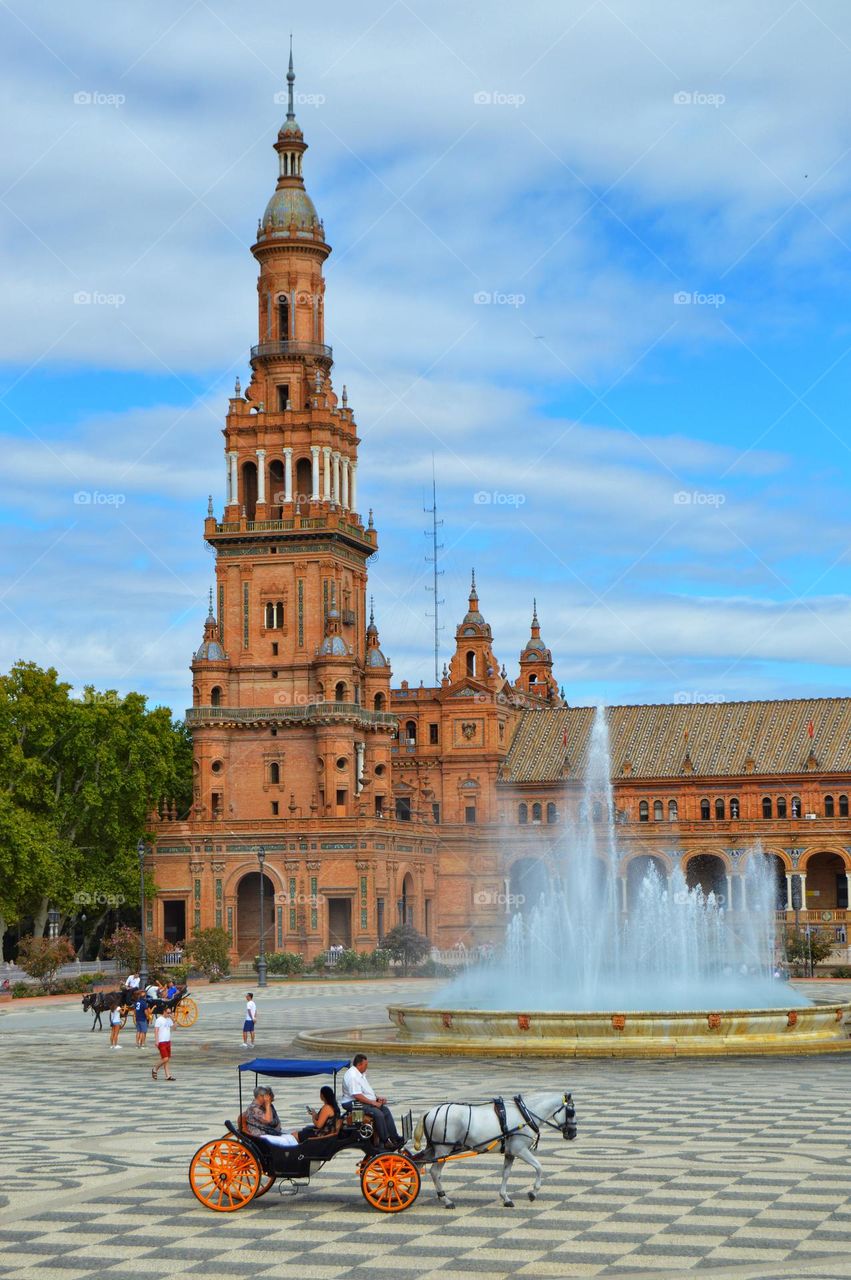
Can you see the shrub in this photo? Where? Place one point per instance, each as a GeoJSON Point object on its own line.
{"type": "Point", "coordinates": [284, 962]}
{"type": "Point", "coordinates": [124, 946]}
{"type": "Point", "coordinates": [209, 951]}
{"type": "Point", "coordinates": [42, 958]}
{"type": "Point", "coordinates": [407, 945]}
{"type": "Point", "coordinates": [843, 971]}
{"type": "Point", "coordinates": [179, 972]}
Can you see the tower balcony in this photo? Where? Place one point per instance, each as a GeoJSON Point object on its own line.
{"type": "Point", "coordinates": [292, 349]}
{"type": "Point", "coordinates": [314, 713]}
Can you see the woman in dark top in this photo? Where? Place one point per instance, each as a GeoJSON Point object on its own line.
{"type": "Point", "coordinates": [325, 1119]}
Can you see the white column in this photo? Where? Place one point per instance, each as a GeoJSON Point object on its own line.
{"type": "Point", "coordinates": [344, 462]}
{"type": "Point", "coordinates": [789, 891]}
{"type": "Point", "coordinates": [314, 471]}
{"type": "Point", "coordinates": [622, 894]}
{"type": "Point", "coordinates": [234, 483]}
{"type": "Point", "coordinates": [261, 475]}
{"type": "Point", "coordinates": [803, 892]}
{"type": "Point", "coordinates": [729, 903]}
{"type": "Point", "coordinates": [335, 477]}
{"type": "Point", "coordinates": [228, 496]}
{"type": "Point", "coordinates": [353, 485]}
{"type": "Point", "coordinates": [848, 881]}
{"type": "Point", "coordinates": [288, 475]}
{"type": "Point", "coordinates": [326, 491]}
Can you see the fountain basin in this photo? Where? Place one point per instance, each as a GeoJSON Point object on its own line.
{"type": "Point", "coordinates": [417, 1029]}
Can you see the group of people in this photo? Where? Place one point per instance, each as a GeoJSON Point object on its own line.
{"type": "Point", "coordinates": [143, 1001]}
{"type": "Point", "coordinates": [261, 1118]}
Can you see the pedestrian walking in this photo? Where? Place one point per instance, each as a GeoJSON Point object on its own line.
{"type": "Point", "coordinates": [114, 1024]}
{"type": "Point", "coordinates": [140, 1013]}
{"type": "Point", "coordinates": [162, 1034]}
{"type": "Point", "coordinates": [250, 1018]}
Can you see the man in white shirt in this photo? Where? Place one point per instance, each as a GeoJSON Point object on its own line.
{"type": "Point", "coordinates": [250, 1018]}
{"type": "Point", "coordinates": [132, 982]}
{"type": "Point", "coordinates": [162, 1034]}
{"type": "Point", "coordinates": [356, 1088]}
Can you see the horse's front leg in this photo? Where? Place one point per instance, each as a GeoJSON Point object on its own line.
{"type": "Point", "coordinates": [527, 1154]}
{"type": "Point", "coordinates": [503, 1188]}
{"type": "Point", "coordinates": [435, 1171]}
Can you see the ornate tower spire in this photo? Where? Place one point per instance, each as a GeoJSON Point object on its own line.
{"type": "Point", "coordinates": [290, 83]}
{"type": "Point", "coordinates": [536, 665]}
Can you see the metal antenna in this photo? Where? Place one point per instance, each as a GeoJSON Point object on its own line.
{"type": "Point", "coordinates": [436, 547]}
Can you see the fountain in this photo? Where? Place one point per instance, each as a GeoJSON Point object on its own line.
{"type": "Point", "coordinates": [681, 973]}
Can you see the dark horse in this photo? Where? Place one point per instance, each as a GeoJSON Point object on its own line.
{"type": "Point", "coordinates": [98, 1002]}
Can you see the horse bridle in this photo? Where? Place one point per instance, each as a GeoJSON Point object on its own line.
{"type": "Point", "coordinates": [567, 1129]}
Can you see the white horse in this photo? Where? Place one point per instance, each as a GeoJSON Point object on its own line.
{"type": "Point", "coordinates": [454, 1127]}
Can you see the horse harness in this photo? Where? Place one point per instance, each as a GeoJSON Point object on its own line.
{"type": "Point", "coordinates": [529, 1119]}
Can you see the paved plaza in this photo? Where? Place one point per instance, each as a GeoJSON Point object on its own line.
{"type": "Point", "coordinates": [735, 1167]}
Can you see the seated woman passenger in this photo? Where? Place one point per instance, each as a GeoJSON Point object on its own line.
{"type": "Point", "coordinates": [324, 1119]}
{"type": "Point", "coordinates": [261, 1120]}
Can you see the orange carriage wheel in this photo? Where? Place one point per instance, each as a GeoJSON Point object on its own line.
{"type": "Point", "coordinates": [224, 1175]}
{"type": "Point", "coordinates": [186, 1012]}
{"type": "Point", "coordinates": [390, 1182]}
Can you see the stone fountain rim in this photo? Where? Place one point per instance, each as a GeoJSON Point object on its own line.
{"type": "Point", "coordinates": [583, 1014]}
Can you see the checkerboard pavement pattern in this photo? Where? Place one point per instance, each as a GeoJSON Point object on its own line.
{"type": "Point", "coordinates": [734, 1167]}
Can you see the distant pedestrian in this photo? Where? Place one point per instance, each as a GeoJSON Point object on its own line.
{"type": "Point", "coordinates": [114, 1024]}
{"type": "Point", "coordinates": [140, 1013]}
{"type": "Point", "coordinates": [162, 1034]}
{"type": "Point", "coordinates": [250, 1018]}
{"type": "Point", "coordinates": [132, 982]}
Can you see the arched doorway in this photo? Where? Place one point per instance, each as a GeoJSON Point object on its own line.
{"type": "Point", "coordinates": [249, 489]}
{"type": "Point", "coordinates": [406, 902]}
{"type": "Point", "coordinates": [827, 886]}
{"type": "Point", "coordinates": [708, 872]}
{"type": "Point", "coordinates": [528, 882]}
{"type": "Point", "coordinates": [635, 875]}
{"type": "Point", "coordinates": [248, 915]}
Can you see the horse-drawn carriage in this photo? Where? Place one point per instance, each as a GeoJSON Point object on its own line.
{"type": "Point", "coordinates": [183, 1008]}
{"type": "Point", "coordinates": [229, 1172]}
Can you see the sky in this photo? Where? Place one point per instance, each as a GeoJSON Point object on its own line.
{"type": "Point", "coordinates": [591, 264]}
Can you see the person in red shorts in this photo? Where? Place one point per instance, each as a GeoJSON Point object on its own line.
{"type": "Point", "coordinates": [162, 1035]}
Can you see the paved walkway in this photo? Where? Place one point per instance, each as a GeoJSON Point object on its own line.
{"type": "Point", "coordinates": [728, 1168]}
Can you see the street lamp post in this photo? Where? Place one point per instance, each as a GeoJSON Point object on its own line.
{"type": "Point", "coordinates": [261, 959]}
{"type": "Point", "coordinates": [143, 950]}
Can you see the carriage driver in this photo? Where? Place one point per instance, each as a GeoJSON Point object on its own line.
{"type": "Point", "coordinates": [356, 1088]}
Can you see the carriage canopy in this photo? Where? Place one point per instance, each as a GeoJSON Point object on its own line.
{"type": "Point", "coordinates": [288, 1068]}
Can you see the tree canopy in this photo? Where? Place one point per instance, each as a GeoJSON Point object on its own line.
{"type": "Point", "coordinates": [79, 778]}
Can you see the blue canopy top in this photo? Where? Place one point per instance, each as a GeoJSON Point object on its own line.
{"type": "Point", "coordinates": [283, 1067]}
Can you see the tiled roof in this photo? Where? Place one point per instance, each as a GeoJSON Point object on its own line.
{"type": "Point", "coordinates": [721, 739]}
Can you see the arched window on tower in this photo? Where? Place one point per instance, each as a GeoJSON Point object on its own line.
{"type": "Point", "coordinates": [673, 811]}
{"type": "Point", "coordinates": [283, 318]}
{"type": "Point", "coordinates": [249, 489]}
{"type": "Point", "coordinates": [796, 806]}
{"type": "Point", "coordinates": [734, 806]}
{"type": "Point", "coordinates": [719, 809]}
{"type": "Point", "coordinates": [843, 806]}
{"type": "Point", "coordinates": [276, 486]}
{"type": "Point", "coordinates": [781, 806]}
{"type": "Point", "coordinates": [303, 478]}
{"type": "Point", "coordinates": [215, 696]}
{"type": "Point", "coordinates": [552, 813]}
{"type": "Point", "coordinates": [766, 807]}
{"type": "Point", "coordinates": [536, 813]}
{"type": "Point", "coordinates": [274, 772]}
{"type": "Point", "coordinates": [704, 811]}
{"type": "Point", "coordinates": [411, 733]}
{"type": "Point", "coordinates": [471, 662]}
{"type": "Point", "coordinates": [643, 811]}
{"type": "Point", "coordinates": [533, 680]}
{"type": "Point", "coordinates": [828, 806]}
{"type": "Point", "coordinates": [658, 811]}
{"type": "Point", "coordinates": [378, 702]}
{"type": "Point", "coordinates": [340, 691]}
{"type": "Point", "coordinates": [523, 814]}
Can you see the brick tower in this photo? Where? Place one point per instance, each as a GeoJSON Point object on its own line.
{"type": "Point", "coordinates": [290, 717]}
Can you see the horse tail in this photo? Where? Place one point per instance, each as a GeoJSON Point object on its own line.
{"type": "Point", "coordinates": [418, 1133]}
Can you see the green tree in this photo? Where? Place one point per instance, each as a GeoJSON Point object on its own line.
{"type": "Point", "coordinates": [124, 946]}
{"type": "Point", "coordinates": [79, 780]}
{"type": "Point", "coordinates": [801, 950]}
{"type": "Point", "coordinates": [407, 945]}
{"type": "Point", "coordinates": [208, 951]}
{"type": "Point", "coordinates": [42, 958]}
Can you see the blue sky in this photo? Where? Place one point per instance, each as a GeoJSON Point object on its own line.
{"type": "Point", "coordinates": [593, 258]}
